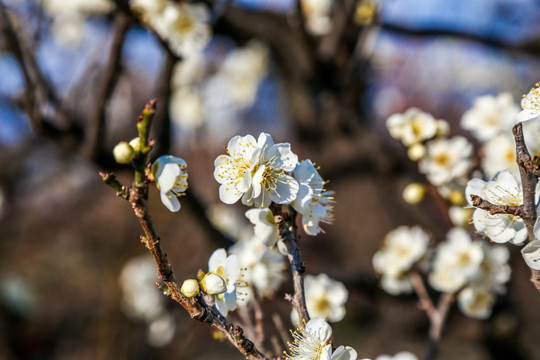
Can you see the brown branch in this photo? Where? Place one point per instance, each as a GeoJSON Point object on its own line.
{"type": "Point", "coordinates": [287, 234]}
{"type": "Point", "coordinates": [196, 307]}
{"type": "Point", "coordinates": [528, 180]}
{"type": "Point", "coordinates": [480, 203]}
{"type": "Point", "coordinates": [436, 315]}
{"type": "Point", "coordinates": [95, 131]}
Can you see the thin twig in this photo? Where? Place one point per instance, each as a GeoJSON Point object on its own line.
{"type": "Point", "coordinates": [287, 234]}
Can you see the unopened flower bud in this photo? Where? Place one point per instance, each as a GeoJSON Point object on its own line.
{"type": "Point", "coordinates": [416, 151]}
{"type": "Point", "coordinates": [190, 288]}
{"type": "Point", "coordinates": [414, 193]}
{"type": "Point", "coordinates": [443, 128]}
{"type": "Point", "coordinates": [123, 153]}
{"type": "Point", "coordinates": [456, 197]}
{"type": "Point", "coordinates": [213, 284]}
{"type": "Point", "coordinates": [135, 144]}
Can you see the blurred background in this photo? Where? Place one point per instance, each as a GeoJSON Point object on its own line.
{"type": "Point", "coordinates": [74, 80]}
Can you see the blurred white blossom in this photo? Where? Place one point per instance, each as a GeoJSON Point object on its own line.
{"type": "Point", "coordinates": [446, 160]}
{"type": "Point", "coordinates": [490, 116]}
{"type": "Point", "coordinates": [411, 127]}
{"type": "Point", "coordinates": [317, 15]}
{"type": "Point", "coordinates": [403, 355]}
{"type": "Point", "coordinates": [457, 261]}
{"type": "Point", "coordinates": [499, 153]}
{"type": "Point", "coordinates": [264, 226]}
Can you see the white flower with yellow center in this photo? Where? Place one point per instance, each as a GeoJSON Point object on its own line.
{"type": "Point", "coordinates": [530, 104]}
{"type": "Point", "coordinates": [476, 302]}
{"type": "Point", "coordinates": [312, 343]}
{"type": "Point", "coordinates": [502, 189]}
{"type": "Point", "coordinates": [228, 268]}
{"type": "Point", "coordinates": [403, 247]}
{"type": "Point", "coordinates": [490, 116]}
{"type": "Point", "coordinates": [184, 26]}
{"type": "Point", "coordinates": [500, 154]}
{"type": "Point", "coordinates": [412, 127]}
{"type": "Point", "coordinates": [446, 160]}
{"type": "Point", "coordinates": [325, 298]}
{"type": "Point", "coordinates": [171, 180]}
{"type": "Point", "coordinates": [456, 262]}
{"type": "Point", "coordinates": [313, 201]}
{"type": "Point", "coordinates": [256, 171]}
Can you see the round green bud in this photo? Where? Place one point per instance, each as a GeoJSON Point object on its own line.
{"type": "Point", "coordinates": [123, 153]}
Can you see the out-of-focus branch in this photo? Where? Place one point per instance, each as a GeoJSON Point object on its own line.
{"type": "Point", "coordinates": [288, 235]}
{"type": "Point", "coordinates": [436, 315]}
{"type": "Point", "coordinates": [95, 131]}
{"type": "Point", "coordinates": [39, 93]}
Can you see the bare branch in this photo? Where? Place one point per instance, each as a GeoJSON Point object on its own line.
{"type": "Point", "coordinates": [480, 203]}
{"type": "Point", "coordinates": [287, 234]}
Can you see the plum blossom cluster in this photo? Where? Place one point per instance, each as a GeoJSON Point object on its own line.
{"type": "Point", "coordinates": [445, 162]}
{"type": "Point", "coordinates": [311, 341]}
{"type": "Point", "coordinates": [209, 95]}
{"type": "Point", "coordinates": [476, 272]}
{"type": "Point", "coordinates": [185, 26]}
{"type": "Point", "coordinates": [261, 172]}
{"type": "Point", "coordinates": [69, 17]}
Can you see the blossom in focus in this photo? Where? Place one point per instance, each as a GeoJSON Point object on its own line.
{"type": "Point", "coordinates": [262, 267]}
{"type": "Point", "coordinates": [171, 180]}
{"type": "Point", "coordinates": [228, 268]}
{"type": "Point", "coordinates": [490, 116]}
{"type": "Point", "coordinates": [502, 189]}
{"type": "Point", "coordinates": [314, 202]}
{"type": "Point", "coordinates": [403, 355]}
{"type": "Point", "coordinates": [411, 127]}
{"type": "Point", "coordinates": [531, 254]}
{"type": "Point", "coordinates": [530, 104]}
{"type": "Point", "coordinates": [456, 262]}
{"type": "Point", "coordinates": [312, 342]}
{"type": "Point", "coordinates": [325, 298]}
{"type": "Point", "coordinates": [256, 171]}
{"type": "Point", "coordinates": [446, 160]}
{"type": "Point", "coordinates": [317, 15]}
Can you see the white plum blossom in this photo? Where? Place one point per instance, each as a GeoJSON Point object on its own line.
{"type": "Point", "coordinates": [313, 202]}
{"type": "Point", "coordinates": [531, 254]}
{"type": "Point", "coordinates": [403, 355]}
{"type": "Point", "coordinates": [412, 127]}
{"type": "Point", "coordinates": [262, 267]}
{"type": "Point", "coordinates": [476, 302]}
{"type": "Point", "coordinates": [171, 180]}
{"type": "Point", "coordinates": [499, 153]}
{"type": "Point", "coordinates": [142, 300]}
{"type": "Point", "coordinates": [490, 116]}
{"type": "Point", "coordinates": [312, 342]}
{"type": "Point", "coordinates": [325, 298]}
{"type": "Point", "coordinates": [317, 15]}
{"type": "Point", "coordinates": [228, 268]}
{"type": "Point", "coordinates": [264, 226]}
{"type": "Point", "coordinates": [502, 189]}
{"type": "Point", "coordinates": [446, 160]}
{"type": "Point", "coordinates": [403, 247]}
{"type": "Point", "coordinates": [256, 171]}
{"type": "Point", "coordinates": [457, 261]}
{"type": "Point", "coordinates": [494, 271]}
{"type": "Point", "coordinates": [530, 104]}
